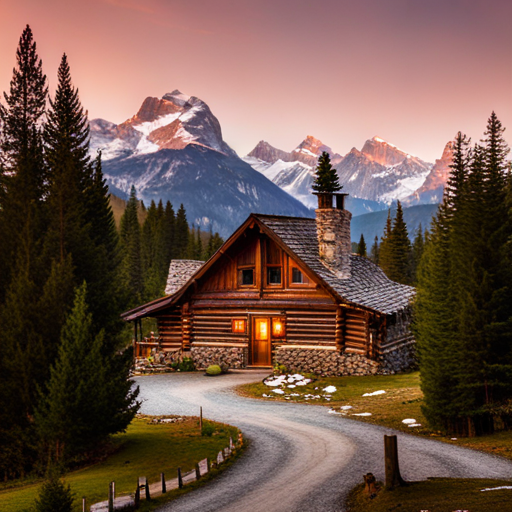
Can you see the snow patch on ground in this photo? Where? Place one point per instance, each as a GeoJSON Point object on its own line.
{"type": "Point", "coordinates": [375, 393]}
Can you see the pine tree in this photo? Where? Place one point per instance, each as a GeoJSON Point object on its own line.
{"type": "Point", "coordinates": [418, 247]}
{"type": "Point", "coordinates": [326, 177]}
{"type": "Point", "coordinates": [374, 252]}
{"type": "Point", "coordinates": [399, 244]}
{"type": "Point", "coordinates": [87, 397]}
{"type": "Point", "coordinates": [463, 309]}
{"type": "Point", "coordinates": [131, 248]}
{"type": "Point", "coordinates": [361, 248]}
{"type": "Point", "coordinates": [385, 257]}
{"type": "Point", "coordinates": [54, 496]}
{"type": "Point", "coordinates": [22, 177]}
{"type": "Point", "coordinates": [181, 234]}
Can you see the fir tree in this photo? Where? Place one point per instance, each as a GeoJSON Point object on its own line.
{"type": "Point", "coordinates": [22, 177]}
{"type": "Point", "coordinates": [181, 234]}
{"type": "Point", "coordinates": [131, 247]}
{"type": "Point", "coordinates": [361, 248]}
{"type": "Point", "coordinates": [399, 243]}
{"type": "Point", "coordinates": [326, 177]}
{"type": "Point", "coordinates": [418, 246]}
{"type": "Point", "coordinates": [374, 252]}
{"type": "Point", "coordinates": [385, 257]}
{"type": "Point", "coordinates": [87, 397]}
{"type": "Point", "coordinates": [54, 496]}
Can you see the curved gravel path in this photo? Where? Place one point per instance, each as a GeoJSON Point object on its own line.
{"type": "Point", "coordinates": [301, 458]}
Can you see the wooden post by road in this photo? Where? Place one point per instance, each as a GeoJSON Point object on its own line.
{"type": "Point", "coordinates": [201, 420]}
{"type": "Point", "coordinates": [393, 478]}
{"type": "Point", "coordinates": [110, 497]}
{"type": "Point", "coordinates": [180, 479]}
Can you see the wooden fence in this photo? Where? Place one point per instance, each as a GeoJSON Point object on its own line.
{"type": "Point", "coordinates": [144, 490]}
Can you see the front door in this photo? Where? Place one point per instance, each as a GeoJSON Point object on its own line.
{"type": "Point", "coordinates": [261, 346]}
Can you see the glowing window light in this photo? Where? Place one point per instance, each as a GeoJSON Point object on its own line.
{"type": "Point", "coordinates": [277, 328]}
{"type": "Point", "coordinates": [238, 325]}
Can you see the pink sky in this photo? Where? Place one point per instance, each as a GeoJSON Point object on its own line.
{"type": "Point", "coordinates": [413, 72]}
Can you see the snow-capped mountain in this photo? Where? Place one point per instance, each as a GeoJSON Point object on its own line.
{"type": "Point", "coordinates": [379, 172]}
{"type": "Point", "coordinates": [173, 149]}
{"type": "Point", "coordinates": [433, 187]}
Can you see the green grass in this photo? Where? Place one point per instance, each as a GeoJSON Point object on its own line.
{"type": "Point", "coordinates": [402, 399]}
{"type": "Point", "coordinates": [146, 449]}
{"type": "Point", "coordinates": [435, 495]}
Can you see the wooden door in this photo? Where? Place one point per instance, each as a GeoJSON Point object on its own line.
{"type": "Point", "coordinates": [261, 346]}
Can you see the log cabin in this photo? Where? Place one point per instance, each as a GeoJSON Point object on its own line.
{"type": "Point", "coordinates": [286, 290]}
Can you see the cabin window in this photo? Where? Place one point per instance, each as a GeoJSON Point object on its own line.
{"type": "Point", "coordinates": [297, 276]}
{"type": "Point", "coordinates": [278, 330]}
{"type": "Point", "coordinates": [238, 325]}
{"type": "Point", "coordinates": [274, 275]}
{"type": "Point", "coordinates": [247, 276]}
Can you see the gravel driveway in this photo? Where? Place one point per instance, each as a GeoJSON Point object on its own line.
{"type": "Point", "coordinates": [301, 458]}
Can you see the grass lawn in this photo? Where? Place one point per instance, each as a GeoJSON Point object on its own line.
{"type": "Point", "coordinates": [402, 400]}
{"type": "Point", "coordinates": [436, 495]}
{"type": "Point", "coordinates": [146, 449]}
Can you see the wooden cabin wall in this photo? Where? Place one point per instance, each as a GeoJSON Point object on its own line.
{"type": "Point", "coordinates": [169, 329]}
{"type": "Point", "coordinates": [356, 331]}
{"type": "Point", "coordinates": [213, 327]}
{"type": "Point", "coordinates": [306, 327]}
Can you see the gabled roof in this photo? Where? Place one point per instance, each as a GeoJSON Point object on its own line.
{"type": "Point", "coordinates": [367, 287]}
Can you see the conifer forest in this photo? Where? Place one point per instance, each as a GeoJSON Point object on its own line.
{"type": "Point", "coordinates": [67, 273]}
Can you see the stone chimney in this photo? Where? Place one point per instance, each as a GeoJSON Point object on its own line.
{"type": "Point", "coordinates": [333, 232]}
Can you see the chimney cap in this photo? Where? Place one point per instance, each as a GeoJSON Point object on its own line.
{"type": "Point", "coordinates": [325, 200]}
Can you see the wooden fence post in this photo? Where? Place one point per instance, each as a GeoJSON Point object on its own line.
{"type": "Point", "coordinates": [201, 420]}
{"type": "Point", "coordinates": [162, 477]}
{"type": "Point", "coordinates": [137, 495]}
{"type": "Point", "coordinates": [110, 498]}
{"type": "Point", "coordinates": [148, 497]}
{"type": "Point", "coordinates": [393, 477]}
{"type": "Point", "coordinates": [83, 504]}
{"type": "Point", "coordinates": [198, 473]}
{"type": "Point", "coordinates": [180, 480]}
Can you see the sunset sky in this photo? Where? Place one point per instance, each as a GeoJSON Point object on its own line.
{"type": "Point", "coordinates": [412, 72]}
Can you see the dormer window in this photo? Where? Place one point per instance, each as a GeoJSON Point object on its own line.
{"type": "Point", "coordinates": [274, 275]}
{"type": "Point", "coordinates": [297, 276]}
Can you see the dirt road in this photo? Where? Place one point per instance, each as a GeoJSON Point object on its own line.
{"type": "Point", "coordinates": [301, 458]}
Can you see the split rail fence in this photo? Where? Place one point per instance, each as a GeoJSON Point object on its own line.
{"type": "Point", "coordinates": [144, 490]}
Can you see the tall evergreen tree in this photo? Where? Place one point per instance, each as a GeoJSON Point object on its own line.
{"type": "Point", "coordinates": [87, 398]}
{"type": "Point", "coordinates": [132, 271]}
{"type": "Point", "coordinates": [326, 177]}
{"type": "Point", "coordinates": [361, 248]}
{"type": "Point", "coordinates": [399, 249]}
{"type": "Point", "coordinates": [374, 252]}
{"type": "Point", "coordinates": [23, 175]}
{"type": "Point", "coordinates": [181, 234]}
{"type": "Point", "coordinates": [418, 247]}
{"type": "Point", "coordinates": [385, 256]}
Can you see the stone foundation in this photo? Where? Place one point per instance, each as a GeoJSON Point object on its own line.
{"type": "Point", "coordinates": [232, 357]}
{"type": "Point", "coordinates": [334, 364]}
{"type": "Point", "coordinates": [325, 362]}
{"type": "Point", "coordinates": [399, 359]}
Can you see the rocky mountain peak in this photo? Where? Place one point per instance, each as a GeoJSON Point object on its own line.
{"type": "Point", "coordinates": [267, 153]}
{"type": "Point", "coordinates": [382, 152]}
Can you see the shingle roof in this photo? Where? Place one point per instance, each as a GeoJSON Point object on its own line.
{"type": "Point", "coordinates": [368, 286]}
{"type": "Point", "coordinates": [180, 271]}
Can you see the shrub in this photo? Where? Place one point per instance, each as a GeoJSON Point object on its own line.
{"type": "Point", "coordinates": [208, 429]}
{"type": "Point", "coordinates": [54, 496]}
{"type": "Point", "coordinates": [214, 369]}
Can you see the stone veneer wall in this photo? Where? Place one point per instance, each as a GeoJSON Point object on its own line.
{"type": "Point", "coordinates": [233, 357]}
{"type": "Point", "coordinates": [332, 363]}
{"type": "Point", "coordinates": [334, 244]}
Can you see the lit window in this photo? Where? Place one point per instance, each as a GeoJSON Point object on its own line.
{"type": "Point", "coordinates": [297, 276]}
{"type": "Point", "coordinates": [247, 276]}
{"type": "Point", "coordinates": [274, 275]}
{"type": "Point", "coordinates": [261, 329]}
{"type": "Point", "coordinates": [278, 330]}
{"type": "Point", "coordinates": [238, 325]}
